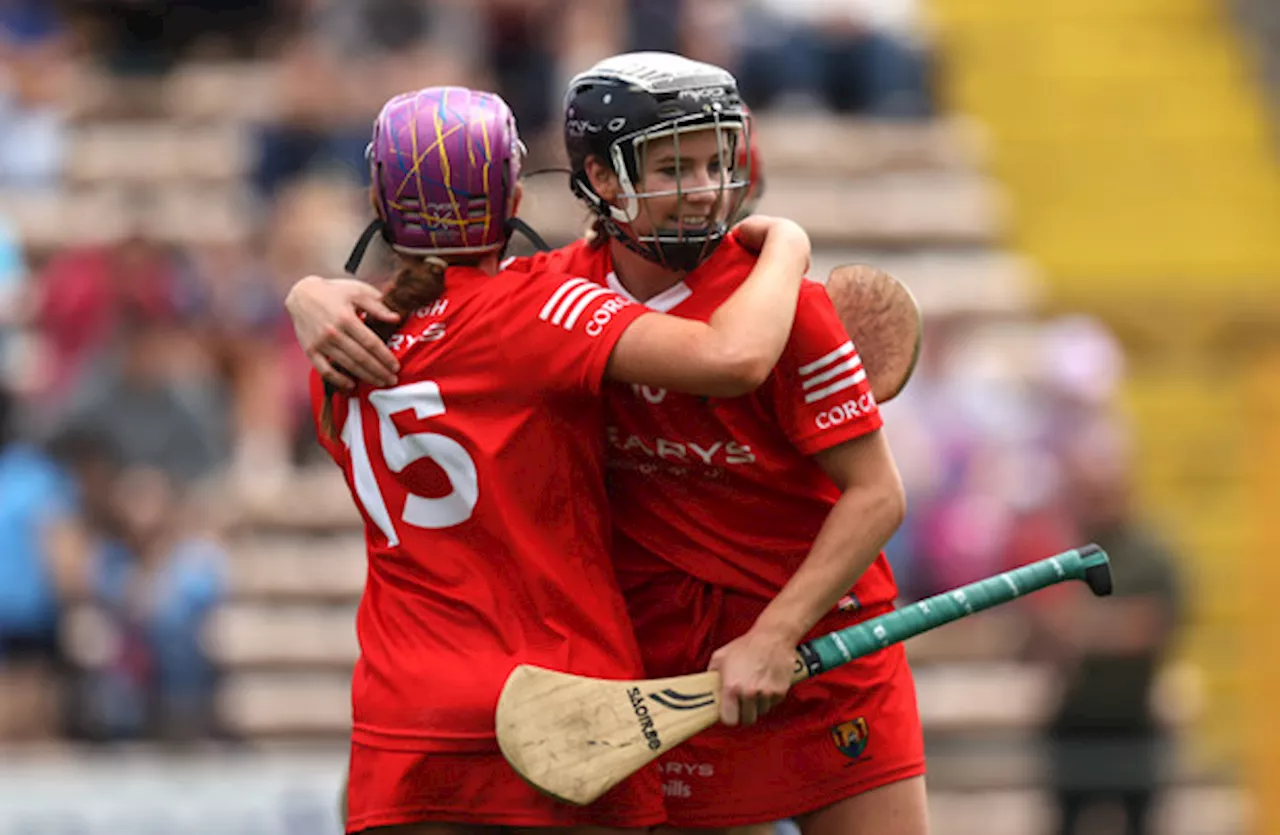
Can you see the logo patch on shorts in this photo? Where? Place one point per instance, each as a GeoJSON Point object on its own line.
{"type": "Point", "coordinates": [851, 737]}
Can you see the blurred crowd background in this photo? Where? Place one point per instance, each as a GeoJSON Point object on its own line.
{"type": "Point", "coordinates": [1084, 196]}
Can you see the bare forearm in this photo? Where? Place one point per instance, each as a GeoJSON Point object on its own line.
{"type": "Point", "coordinates": [755, 321]}
{"type": "Point", "coordinates": [850, 540]}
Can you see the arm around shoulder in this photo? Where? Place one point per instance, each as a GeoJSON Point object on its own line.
{"type": "Point", "coordinates": [733, 353]}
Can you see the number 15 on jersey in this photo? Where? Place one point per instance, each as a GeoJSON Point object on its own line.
{"type": "Point", "coordinates": [399, 451]}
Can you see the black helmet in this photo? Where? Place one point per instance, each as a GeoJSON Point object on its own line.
{"type": "Point", "coordinates": [613, 109]}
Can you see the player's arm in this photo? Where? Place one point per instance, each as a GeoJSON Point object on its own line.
{"type": "Point", "coordinates": [734, 352]}
{"type": "Point", "coordinates": [872, 504]}
{"type": "Point", "coordinates": [820, 375]}
{"type": "Point", "coordinates": [871, 507]}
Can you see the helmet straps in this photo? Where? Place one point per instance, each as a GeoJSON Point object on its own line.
{"type": "Point", "coordinates": [515, 224]}
{"type": "Point", "coordinates": [376, 226]}
{"type": "Point", "coordinates": [366, 237]}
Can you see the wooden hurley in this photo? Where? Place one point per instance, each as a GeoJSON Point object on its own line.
{"type": "Point", "coordinates": [575, 737]}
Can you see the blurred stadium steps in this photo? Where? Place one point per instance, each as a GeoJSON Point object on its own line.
{"type": "Point", "coordinates": [1139, 157]}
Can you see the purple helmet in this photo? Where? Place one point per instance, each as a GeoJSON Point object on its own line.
{"type": "Point", "coordinates": [444, 163]}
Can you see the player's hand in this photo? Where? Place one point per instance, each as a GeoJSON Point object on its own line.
{"type": "Point", "coordinates": [324, 313]}
{"type": "Point", "coordinates": [757, 231]}
{"type": "Point", "coordinates": [755, 674]}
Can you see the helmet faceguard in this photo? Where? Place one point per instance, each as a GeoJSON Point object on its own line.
{"type": "Point", "coordinates": [750, 162]}
{"type": "Point", "coordinates": [617, 109]}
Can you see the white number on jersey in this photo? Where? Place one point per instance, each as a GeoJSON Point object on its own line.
{"type": "Point", "coordinates": [399, 451]}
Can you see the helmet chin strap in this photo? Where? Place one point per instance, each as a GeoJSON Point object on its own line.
{"type": "Point", "coordinates": [648, 251]}
{"type": "Point", "coordinates": [366, 237]}
{"type": "Point", "coordinates": [517, 225]}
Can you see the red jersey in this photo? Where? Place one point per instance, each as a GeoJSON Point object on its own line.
{"type": "Point", "coordinates": [480, 477]}
{"type": "Point", "coordinates": [727, 490]}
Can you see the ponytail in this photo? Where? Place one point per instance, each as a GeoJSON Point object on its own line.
{"type": "Point", "coordinates": [598, 235]}
{"type": "Point", "coordinates": [417, 283]}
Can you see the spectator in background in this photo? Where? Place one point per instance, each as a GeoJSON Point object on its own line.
{"type": "Point", "coordinates": [966, 426]}
{"type": "Point", "coordinates": [33, 493]}
{"type": "Point", "coordinates": [129, 34]}
{"type": "Point", "coordinates": [1081, 368]}
{"type": "Point", "coordinates": [153, 583]}
{"type": "Point", "coordinates": [151, 37]}
{"type": "Point", "coordinates": [37, 506]}
{"type": "Point", "coordinates": [320, 123]}
{"type": "Point", "coordinates": [13, 296]}
{"type": "Point", "coordinates": [654, 25]}
{"type": "Point", "coordinates": [339, 59]}
{"type": "Point", "coordinates": [33, 118]}
{"type": "Point", "coordinates": [220, 28]}
{"type": "Point", "coordinates": [344, 57]}
{"type": "Point", "coordinates": [1074, 382]}
{"type": "Point", "coordinates": [384, 47]}
{"type": "Point", "coordinates": [229, 295]}
{"type": "Point", "coordinates": [521, 52]}
{"type": "Point", "coordinates": [856, 56]}
{"type": "Point", "coordinates": [81, 295]}
{"type": "Point", "coordinates": [356, 28]}
{"type": "Point", "coordinates": [25, 22]}
{"type": "Point", "coordinates": [143, 404]}
{"type": "Point", "coordinates": [1105, 738]}
{"type": "Point", "coordinates": [309, 230]}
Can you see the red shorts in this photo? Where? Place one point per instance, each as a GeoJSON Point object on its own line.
{"type": "Point", "coordinates": [388, 788]}
{"type": "Point", "coordinates": [843, 733]}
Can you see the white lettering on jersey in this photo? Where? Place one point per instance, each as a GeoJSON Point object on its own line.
{"type": "Point", "coordinates": [706, 454]}
{"type": "Point", "coordinates": [634, 442]}
{"type": "Point", "coordinates": [431, 333]}
{"type": "Point", "coordinates": [831, 373]}
{"type": "Point", "coordinates": [718, 454]}
{"type": "Point", "coordinates": [604, 315]}
{"type": "Point", "coordinates": [845, 412]}
{"type": "Point", "coordinates": [651, 395]}
{"type": "Point", "coordinates": [669, 449]}
{"type": "Point", "coordinates": [436, 309]}
{"type": "Point", "coordinates": [572, 298]}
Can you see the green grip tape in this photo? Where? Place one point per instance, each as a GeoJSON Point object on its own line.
{"type": "Point", "coordinates": [832, 650]}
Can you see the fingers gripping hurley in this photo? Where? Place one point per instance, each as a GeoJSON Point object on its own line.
{"type": "Point", "coordinates": [575, 737]}
{"type": "Point", "coordinates": [884, 321]}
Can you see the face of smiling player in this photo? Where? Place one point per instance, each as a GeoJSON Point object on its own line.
{"type": "Point", "coordinates": [689, 181]}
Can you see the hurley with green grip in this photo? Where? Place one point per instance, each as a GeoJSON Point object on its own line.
{"type": "Point", "coordinates": [575, 737]}
{"type": "Point", "coordinates": [1089, 564]}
